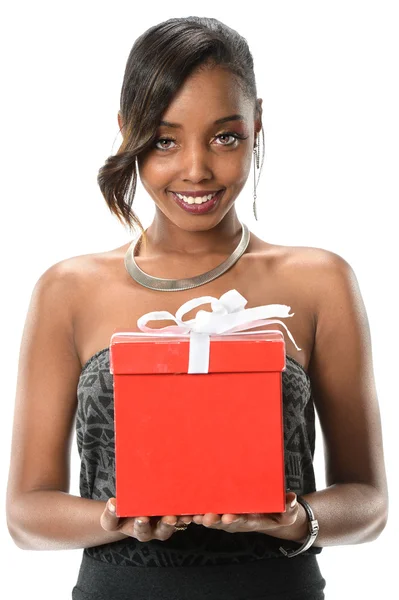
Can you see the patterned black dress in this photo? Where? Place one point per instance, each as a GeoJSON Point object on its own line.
{"type": "Point", "coordinates": [203, 562]}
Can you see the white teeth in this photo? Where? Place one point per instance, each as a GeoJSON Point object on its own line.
{"type": "Point", "coordinates": [198, 200]}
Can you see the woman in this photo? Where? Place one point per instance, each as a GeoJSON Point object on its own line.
{"type": "Point", "coordinates": [191, 121]}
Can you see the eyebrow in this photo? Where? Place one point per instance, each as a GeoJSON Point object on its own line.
{"type": "Point", "coordinates": [217, 122]}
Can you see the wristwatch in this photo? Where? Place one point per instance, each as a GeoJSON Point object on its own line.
{"type": "Point", "coordinates": [313, 531]}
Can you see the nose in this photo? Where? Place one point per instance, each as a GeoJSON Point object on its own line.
{"type": "Point", "coordinates": [196, 163]}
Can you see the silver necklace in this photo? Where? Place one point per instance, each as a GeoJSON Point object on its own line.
{"type": "Point", "coordinates": [174, 285]}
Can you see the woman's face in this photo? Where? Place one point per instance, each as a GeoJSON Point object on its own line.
{"type": "Point", "coordinates": [198, 154]}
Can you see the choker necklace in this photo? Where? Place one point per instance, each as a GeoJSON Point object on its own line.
{"type": "Point", "coordinates": [175, 285]}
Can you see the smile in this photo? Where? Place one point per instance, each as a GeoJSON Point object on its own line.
{"type": "Point", "coordinates": [198, 205]}
{"type": "Point", "coordinates": [197, 199]}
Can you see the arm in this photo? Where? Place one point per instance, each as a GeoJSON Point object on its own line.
{"type": "Point", "coordinates": [353, 508]}
{"type": "Point", "coordinates": [40, 512]}
{"type": "Point", "coordinates": [56, 520]}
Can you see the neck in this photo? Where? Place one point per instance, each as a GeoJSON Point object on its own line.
{"type": "Point", "coordinates": [164, 238]}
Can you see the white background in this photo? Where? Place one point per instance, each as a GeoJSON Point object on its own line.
{"type": "Point", "coordinates": [328, 76]}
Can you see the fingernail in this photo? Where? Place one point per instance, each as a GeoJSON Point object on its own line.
{"type": "Point", "coordinates": [293, 502]}
{"type": "Point", "coordinates": [171, 523]}
{"type": "Point", "coordinates": [111, 506]}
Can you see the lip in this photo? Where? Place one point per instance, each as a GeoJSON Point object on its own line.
{"type": "Point", "coordinates": [199, 209]}
{"type": "Point", "coordinates": [195, 194]}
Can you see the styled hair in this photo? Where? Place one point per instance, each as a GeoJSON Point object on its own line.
{"type": "Point", "coordinates": [159, 62]}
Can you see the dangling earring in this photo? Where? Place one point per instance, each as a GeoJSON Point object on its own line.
{"type": "Point", "coordinates": [257, 161]}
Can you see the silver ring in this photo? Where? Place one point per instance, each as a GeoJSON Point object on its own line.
{"type": "Point", "coordinates": [181, 527]}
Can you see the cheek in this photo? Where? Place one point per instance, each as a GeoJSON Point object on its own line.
{"type": "Point", "coordinates": [236, 169]}
{"type": "Point", "coordinates": [231, 166]}
{"type": "Point", "coordinates": [154, 173]}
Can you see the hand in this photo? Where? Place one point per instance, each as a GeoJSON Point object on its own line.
{"type": "Point", "coordinates": [262, 522]}
{"type": "Point", "coordinates": [152, 528]}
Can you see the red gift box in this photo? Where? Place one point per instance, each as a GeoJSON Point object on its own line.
{"type": "Point", "coordinates": [196, 443]}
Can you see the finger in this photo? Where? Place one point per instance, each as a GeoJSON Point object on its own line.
{"type": "Point", "coordinates": [229, 519]}
{"type": "Point", "coordinates": [109, 519]}
{"type": "Point", "coordinates": [186, 519]}
{"type": "Point", "coordinates": [165, 527]}
{"type": "Point", "coordinates": [198, 519]}
{"type": "Point", "coordinates": [142, 529]}
{"type": "Point", "coordinates": [291, 511]}
{"type": "Point", "coordinates": [291, 508]}
{"type": "Point", "coordinates": [211, 520]}
{"type": "Point", "coordinates": [169, 520]}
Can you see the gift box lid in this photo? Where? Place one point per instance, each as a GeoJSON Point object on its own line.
{"type": "Point", "coordinates": [245, 352]}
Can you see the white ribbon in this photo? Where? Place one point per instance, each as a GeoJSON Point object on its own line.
{"type": "Point", "coordinates": [228, 316]}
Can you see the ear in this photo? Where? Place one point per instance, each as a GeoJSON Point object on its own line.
{"type": "Point", "coordinates": [258, 119]}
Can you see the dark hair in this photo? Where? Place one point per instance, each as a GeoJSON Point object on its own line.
{"type": "Point", "coordinates": [158, 64]}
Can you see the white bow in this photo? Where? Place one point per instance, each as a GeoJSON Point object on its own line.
{"type": "Point", "coordinates": [228, 316]}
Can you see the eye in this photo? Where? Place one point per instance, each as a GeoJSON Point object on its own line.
{"type": "Point", "coordinates": [163, 140]}
{"type": "Point", "coordinates": [229, 134]}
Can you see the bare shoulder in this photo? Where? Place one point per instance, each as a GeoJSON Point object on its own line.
{"type": "Point", "coordinates": [58, 284]}
{"type": "Point", "coordinates": [77, 273]}
{"type": "Point", "coordinates": [66, 286]}
{"type": "Point", "coordinates": [80, 265]}
{"type": "Point", "coordinates": [333, 283]}
{"type": "Point", "coordinates": [341, 321]}
{"type": "Point", "coordinates": [326, 270]}
{"type": "Point", "coordinates": [317, 268]}
{"type": "Point", "coordinates": [312, 259]}
{"type": "Point", "coordinates": [305, 267]}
